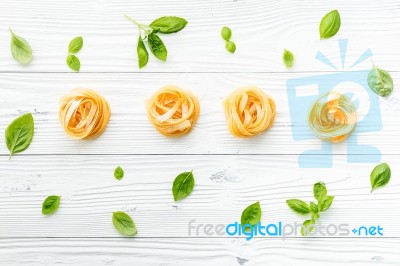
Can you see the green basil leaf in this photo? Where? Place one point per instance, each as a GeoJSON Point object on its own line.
{"type": "Point", "coordinates": [73, 62]}
{"type": "Point", "coordinates": [380, 81]}
{"type": "Point", "coordinates": [50, 205]}
{"type": "Point", "coordinates": [288, 58]}
{"type": "Point", "coordinates": [124, 224]}
{"type": "Point", "coordinates": [75, 45]}
{"type": "Point", "coordinates": [230, 46]}
{"type": "Point", "coordinates": [19, 134]}
{"type": "Point", "coordinates": [308, 227]}
{"type": "Point", "coordinates": [157, 47]}
{"type": "Point", "coordinates": [169, 24]}
{"type": "Point", "coordinates": [119, 173]}
{"type": "Point", "coordinates": [320, 191]}
{"type": "Point", "coordinates": [314, 207]}
{"type": "Point", "coordinates": [226, 33]}
{"type": "Point", "coordinates": [330, 24]}
{"type": "Point", "coordinates": [298, 206]}
{"type": "Point", "coordinates": [325, 203]}
{"type": "Point", "coordinates": [183, 185]}
{"type": "Point", "coordinates": [251, 215]}
{"type": "Point", "coordinates": [380, 176]}
{"type": "Point", "coordinates": [20, 49]}
{"type": "Point", "coordinates": [143, 55]}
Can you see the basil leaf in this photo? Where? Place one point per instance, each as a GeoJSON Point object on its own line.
{"type": "Point", "coordinates": [183, 185]}
{"type": "Point", "coordinates": [325, 203]}
{"type": "Point", "coordinates": [119, 173]}
{"type": "Point", "coordinates": [288, 58]}
{"type": "Point", "coordinates": [75, 45]}
{"type": "Point", "coordinates": [73, 62]}
{"type": "Point", "coordinates": [320, 191]}
{"type": "Point", "coordinates": [124, 224]}
{"type": "Point", "coordinates": [298, 206]}
{"type": "Point", "coordinates": [169, 24]}
{"type": "Point", "coordinates": [157, 47]}
{"type": "Point", "coordinates": [308, 227]}
{"type": "Point", "coordinates": [380, 81]}
{"type": "Point", "coordinates": [314, 217]}
{"type": "Point", "coordinates": [50, 205]}
{"type": "Point", "coordinates": [226, 33]}
{"type": "Point", "coordinates": [20, 49]}
{"type": "Point", "coordinates": [314, 207]}
{"type": "Point", "coordinates": [251, 215]}
{"type": "Point", "coordinates": [380, 176]}
{"type": "Point", "coordinates": [230, 46]}
{"type": "Point", "coordinates": [143, 55]}
{"type": "Point", "coordinates": [19, 134]}
{"type": "Point", "coordinates": [330, 24]}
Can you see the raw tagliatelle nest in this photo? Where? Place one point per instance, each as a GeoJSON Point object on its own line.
{"type": "Point", "coordinates": [333, 117]}
{"type": "Point", "coordinates": [84, 114]}
{"type": "Point", "coordinates": [173, 111]}
{"type": "Point", "coordinates": [249, 111]}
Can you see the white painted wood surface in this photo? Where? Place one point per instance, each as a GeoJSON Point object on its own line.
{"type": "Point", "coordinates": [230, 173]}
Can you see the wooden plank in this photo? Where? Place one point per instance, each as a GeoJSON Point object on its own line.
{"type": "Point", "coordinates": [130, 132]}
{"type": "Point", "coordinates": [225, 185]}
{"type": "Point", "coordinates": [261, 30]}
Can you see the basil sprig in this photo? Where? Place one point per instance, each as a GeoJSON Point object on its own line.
{"type": "Point", "coordinates": [19, 134]}
{"type": "Point", "coordinates": [75, 45]}
{"type": "Point", "coordinates": [330, 25]}
{"type": "Point", "coordinates": [183, 185]}
{"type": "Point", "coordinates": [148, 33]}
{"type": "Point", "coordinates": [324, 201]}
{"type": "Point", "coordinates": [380, 176]}
{"type": "Point", "coordinates": [20, 49]}
{"type": "Point", "coordinates": [226, 34]}
{"type": "Point", "coordinates": [251, 215]}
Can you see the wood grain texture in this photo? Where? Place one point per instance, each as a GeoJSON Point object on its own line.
{"type": "Point", "coordinates": [130, 132]}
{"type": "Point", "coordinates": [261, 30]}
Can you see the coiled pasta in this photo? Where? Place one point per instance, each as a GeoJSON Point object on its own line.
{"type": "Point", "coordinates": [249, 111]}
{"type": "Point", "coordinates": [84, 114]}
{"type": "Point", "coordinates": [173, 111]}
{"type": "Point", "coordinates": [333, 117]}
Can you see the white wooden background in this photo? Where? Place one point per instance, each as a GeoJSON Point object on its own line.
{"type": "Point", "coordinates": [230, 173]}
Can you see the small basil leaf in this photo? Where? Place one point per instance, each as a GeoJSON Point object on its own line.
{"type": "Point", "coordinates": [20, 49]}
{"type": "Point", "coordinates": [19, 134]}
{"type": "Point", "coordinates": [380, 176]}
{"type": "Point", "coordinates": [230, 46]}
{"type": "Point", "coordinates": [325, 203]}
{"type": "Point", "coordinates": [320, 191]}
{"type": "Point", "coordinates": [183, 185]}
{"type": "Point", "coordinates": [251, 215]}
{"type": "Point", "coordinates": [73, 62]}
{"type": "Point", "coordinates": [308, 227]}
{"type": "Point", "coordinates": [298, 206]}
{"type": "Point", "coordinates": [157, 47]}
{"type": "Point", "coordinates": [380, 81]}
{"type": "Point", "coordinates": [124, 224]}
{"type": "Point", "coordinates": [143, 55]}
{"type": "Point", "coordinates": [50, 205]}
{"type": "Point", "coordinates": [169, 24]}
{"type": "Point", "coordinates": [314, 207]}
{"type": "Point", "coordinates": [330, 24]}
{"type": "Point", "coordinates": [288, 58]}
{"type": "Point", "coordinates": [119, 173]}
{"type": "Point", "coordinates": [226, 33]}
{"type": "Point", "coordinates": [75, 45]}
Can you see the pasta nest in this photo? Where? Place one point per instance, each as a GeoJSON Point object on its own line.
{"type": "Point", "coordinates": [173, 111]}
{"type": "Point", "coordinates": [84, 114]}
{"type": "Point", "coordinates": [249, 111]}
{"type": "Point", "coordinates": [332, 117]}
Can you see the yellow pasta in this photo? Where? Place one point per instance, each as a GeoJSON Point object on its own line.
{"type": "Point", "coordinates": [173, 111]}
{"type": "Point", "coordinates": [249, 111]}
{"type": "Point", "coordinates": [84, 114]}
{"type": "Point", "coordinates": [333, 117]}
